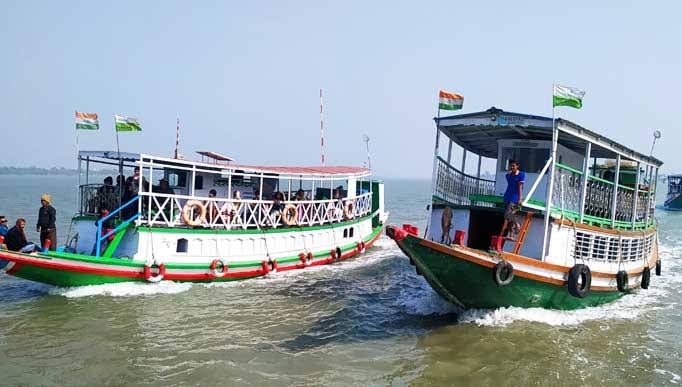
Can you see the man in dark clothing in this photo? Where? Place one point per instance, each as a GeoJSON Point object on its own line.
{"type": "Point", "coordinates": [47, 219]}
{"type": "Point", "coordinates": [16, 237]}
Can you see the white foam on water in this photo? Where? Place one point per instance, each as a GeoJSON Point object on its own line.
{"type": "Point", "coordinates": [425, 302]}
{"type": "Point", "coordinates": [123, 289]}
{"type": "Point", "coordinates": [675, 378]}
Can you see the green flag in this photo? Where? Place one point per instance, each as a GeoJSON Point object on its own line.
{"type": "Point", "coordinates": [568, 96]}
{"type": "Point", "coordinates": [127, 124]}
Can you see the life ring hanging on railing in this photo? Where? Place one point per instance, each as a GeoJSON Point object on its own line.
{"type": "Point", "coordinates": [290, 215]}
{"type": "Point", "coordinates": [187, 210]}
{"type": "Point", "coordinates": [218, 268]}
{"type": "Point", "coordinates": [349, 210]}
{"type": "Point", "coordinates": [151, 277]}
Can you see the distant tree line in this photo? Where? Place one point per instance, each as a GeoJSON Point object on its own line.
{"type": "Point", "coordinates": [45, 171]}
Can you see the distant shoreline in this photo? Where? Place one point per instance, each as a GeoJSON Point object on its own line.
{"type": "Point", "coordinates": [54, 171]}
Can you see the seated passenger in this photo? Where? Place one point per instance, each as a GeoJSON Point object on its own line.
{"type": "Point", "coordinates": [3, 232]}
{"type": "Point", "coordinates": [106, 194]}
{"type": "Point", "coordinates": [16, 238]}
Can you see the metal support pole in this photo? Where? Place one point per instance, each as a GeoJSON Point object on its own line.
{"type": "Point", "coordinates": [655, 185]}
{"type": "Point", "coordinates": [634, 198]}
{"type": "Point", "coordinates": [478, 174]}
{"type": "Point", "coordinates": [616, 179]}
{"type": "Point", "coordinates": [464, 159]}
{"type": "Point", "coordinates": [586, 177]}
{"type": "Point", "coordinates": [449, 151]}
{"type": "Point", "coordinates": [648, 174]}
{"type": "Point", "coordinates": [548, 200]}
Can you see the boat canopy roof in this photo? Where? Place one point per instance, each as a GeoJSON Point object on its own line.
{"type": "Point", "coordinates": [112, 157]}
{"type": "Point", "coordinates": [479, 132]}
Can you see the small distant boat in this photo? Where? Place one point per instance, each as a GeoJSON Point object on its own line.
{"type": "Point", "coordinates": [211, 220]}
{"type": "Point", "coordinates": [673, 201]}
{"type": "Point", "coordinates": [587, 231]}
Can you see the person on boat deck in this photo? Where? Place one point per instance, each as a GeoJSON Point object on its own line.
{"type": "Point", "coordinates": [212, 207]}
{"type": "Point", "coordinates": [512, 199]}
{"type": "Point", "coordinates": [16, 238]}
{"type": "Point", "coordinates": [3, 226]}
{"type": "Point", "coordinates": [3, 232]}
{"type": "Point", "coordinates": [107, 226]}
{"type": "Point", "coordinates": [120, 186]}
{"type": "Point", "coordinates": [107, 194]}
{"type": "Point", "coordinates": [47, 222]}
{"type": "Point", "coordinates": [133, 185]}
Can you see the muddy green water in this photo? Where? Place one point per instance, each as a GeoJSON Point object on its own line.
{"type": "Point", "coordinates": [367, 321]}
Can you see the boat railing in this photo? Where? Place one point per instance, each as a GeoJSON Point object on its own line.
{"type": "Point", "coordinates": [166, 210]}
{"type": "Point", "coordinates": [455, 187]}
{"type": "Point", "coordinates": [599, 196]}
{"type": "Point", "coordinates": [103, 235]}
{"type": "Point", "coordinates": [94, 197]}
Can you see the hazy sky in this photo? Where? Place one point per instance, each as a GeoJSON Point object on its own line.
{"type": "Point", "coordinates": [243, 77]}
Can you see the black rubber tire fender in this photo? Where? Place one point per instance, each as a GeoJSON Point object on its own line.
{"type": "Point", "coordinates": [499, 271]}
{"type": "Point", "coordinates": [577, 288]}
{"type": "Point", "coordinates": [646, 278]}
{"type": "Point", "coordinates": [338, 253]}
{"type": "Point", "coordinates": [622, 281]}
{"type": "Point", "coordinates": [658, 267]}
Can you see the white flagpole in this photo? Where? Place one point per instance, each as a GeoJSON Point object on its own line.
{"type": "Point", "coordinates": [548, 200]}
{"type": "Point", "coordinates": [321, 130]}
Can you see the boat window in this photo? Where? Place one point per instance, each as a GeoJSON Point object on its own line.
{"type": "Point", "coordinates": [345, 233]}
{"type": "Point", "coordinates": [532, 160]}
{"type": "Point", "coordinates": [176, 178]}
{"type": "Point", "coordinates": [181, 246]}
{"type": "Point", "coordinates": [350, 235]}
{"type": "Point", "coordinates": [199, 182]}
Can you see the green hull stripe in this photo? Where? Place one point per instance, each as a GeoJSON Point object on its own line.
{"type": "Point", "coordinates": [130, 263]}
{"type": "Point", "coordinates": [111, 248]}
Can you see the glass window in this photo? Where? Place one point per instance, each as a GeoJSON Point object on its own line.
{"type": "Point", "coordinates": [531, 160]}
{"type": "Point", "coordinates": [176, 178]}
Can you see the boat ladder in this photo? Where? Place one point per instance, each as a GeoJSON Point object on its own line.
{"type": "Point", "coordinates": [522, 234]}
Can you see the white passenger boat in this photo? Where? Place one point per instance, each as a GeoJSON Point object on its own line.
{"type": "Point", "coordinates": [210, 220]}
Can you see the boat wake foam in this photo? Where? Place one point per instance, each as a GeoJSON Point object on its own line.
{"type": "Point", "coordinates": [123, 289]}
{"type": "Point", "coordinates": [628, 307]}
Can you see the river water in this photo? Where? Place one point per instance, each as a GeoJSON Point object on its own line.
{"type": "Point", "coordinates": [366, 321]}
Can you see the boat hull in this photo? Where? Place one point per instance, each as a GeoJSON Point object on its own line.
{"type": "Point", "coordinates": [61, 269]}
{"type": "Point", "coordinates": [470, 284]}
{"type": "Point", "coordinates": [673, 202]}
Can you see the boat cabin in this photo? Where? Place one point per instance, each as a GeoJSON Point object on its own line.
{"type": "Point", "coordinates": [573, 176]}
{"type": "Point", "coordinates": [675, 184]}
{"type": "Point", "coordinates": [227, 195]}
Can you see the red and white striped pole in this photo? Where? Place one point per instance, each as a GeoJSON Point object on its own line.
{"type": "Point", "coordinates": [177, 140]}
{"type": "Point", "coordinates": [321, 130]}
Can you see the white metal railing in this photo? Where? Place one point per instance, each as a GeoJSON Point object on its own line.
{"type": "Point", "coordinates": [166, 210]}
{"type": "Point", "coordinates": [455, 187]}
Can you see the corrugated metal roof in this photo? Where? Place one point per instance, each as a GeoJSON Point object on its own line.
{"type": "Point", "coordinates": [479, 132]}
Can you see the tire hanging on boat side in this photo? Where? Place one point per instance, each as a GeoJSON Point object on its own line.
{"type": "Point", "coordinates": [658, 267]}
{"type": "Point", "coordinates": [503, 273]}
{"type": "Point", "coordinates": [576, 287]}
{"type": "Point", "coordinates": [646, 278]}
{"type": "Point", "coordinates": [622, 281]}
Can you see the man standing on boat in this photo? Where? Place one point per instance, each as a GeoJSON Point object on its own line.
{"type": "Point", "coordinates": [47, 219]}
{"type": "Point", "coordinates": [512, 200]}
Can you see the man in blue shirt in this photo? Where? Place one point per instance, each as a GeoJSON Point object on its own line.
{"type": "Point", "coordinates": [512, 200]}
{"type": "Point", "coordinates": [3, 226]}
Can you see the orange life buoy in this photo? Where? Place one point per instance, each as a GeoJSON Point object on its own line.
{"type": "Point", "coordinates": [218, 273]}
{"type": "Point", "coordinates": [290, 215]}
{"type": "Point", "coordinates": [264, 266]}
{"type": "Point", "coordinates": [151, 277]}
{"type": "Point", "coordinates": [186, 213]}
{"type": "Point", "coordinates": [349, 210]}
{"type": "Point", "coordinates": [361, 247]}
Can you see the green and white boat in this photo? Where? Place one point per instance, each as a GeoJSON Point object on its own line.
{"type": "Point", "coordinates": [254, 225]}
{"type": "Point", "coordinates": [586, 237]}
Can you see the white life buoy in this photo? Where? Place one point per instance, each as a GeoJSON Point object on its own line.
{"type": "Point", "coordinates": [186, 213]}
{"type": "Point", "coordinates": [154, 277]}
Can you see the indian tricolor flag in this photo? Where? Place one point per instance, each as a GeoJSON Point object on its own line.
{"type": "Point", "coordinates": [568, 96]}
{"type": "Point", "coordinates": [449, 101]}
{"type": "Point", "coordinates": [127, 124]}
{"type": "Point", "coordinates": [87, 121]}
